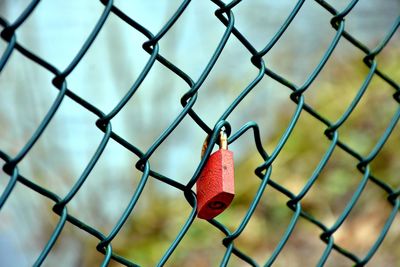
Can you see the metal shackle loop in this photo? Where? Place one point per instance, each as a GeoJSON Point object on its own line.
{"type": "Point", "coordinates": [223, 142]}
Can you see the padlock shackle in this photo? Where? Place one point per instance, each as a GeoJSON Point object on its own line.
{"type": "Point", "coordinates": [223, 142]}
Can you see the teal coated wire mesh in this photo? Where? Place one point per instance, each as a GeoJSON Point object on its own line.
{"type": "Point", "coordinates": [225, 12]}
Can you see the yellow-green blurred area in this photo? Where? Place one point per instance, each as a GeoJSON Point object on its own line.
{"type": "Point", "coordinates": [113, 64]}
{"type": "Point", "coordinates": [293, 167]}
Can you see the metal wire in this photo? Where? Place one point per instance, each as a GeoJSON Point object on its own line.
{"type": "Point", "coordinates": [225, 13]}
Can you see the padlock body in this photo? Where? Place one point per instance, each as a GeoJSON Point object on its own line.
{"type": "Point", "coordinates": [215, 186]}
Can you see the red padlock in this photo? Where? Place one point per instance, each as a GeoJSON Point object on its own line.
{"type": "Point", "coordinates": [215, 186]}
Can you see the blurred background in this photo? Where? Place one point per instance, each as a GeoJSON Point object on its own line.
{"type": "Point", "coordinates": [57, 29]}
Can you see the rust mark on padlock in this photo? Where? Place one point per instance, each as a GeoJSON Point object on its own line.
{"type": "Point", "coordinates": [215, 186]}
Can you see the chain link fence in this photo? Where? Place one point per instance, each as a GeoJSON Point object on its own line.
{"type": "Point", "coordinates": [225, 13]}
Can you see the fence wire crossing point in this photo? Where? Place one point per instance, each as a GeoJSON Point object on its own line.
{"type": "Point", "coordinates": [225, 14]}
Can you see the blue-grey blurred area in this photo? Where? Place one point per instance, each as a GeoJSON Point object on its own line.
{"type": "Point", "coordinates": [56, 31]}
